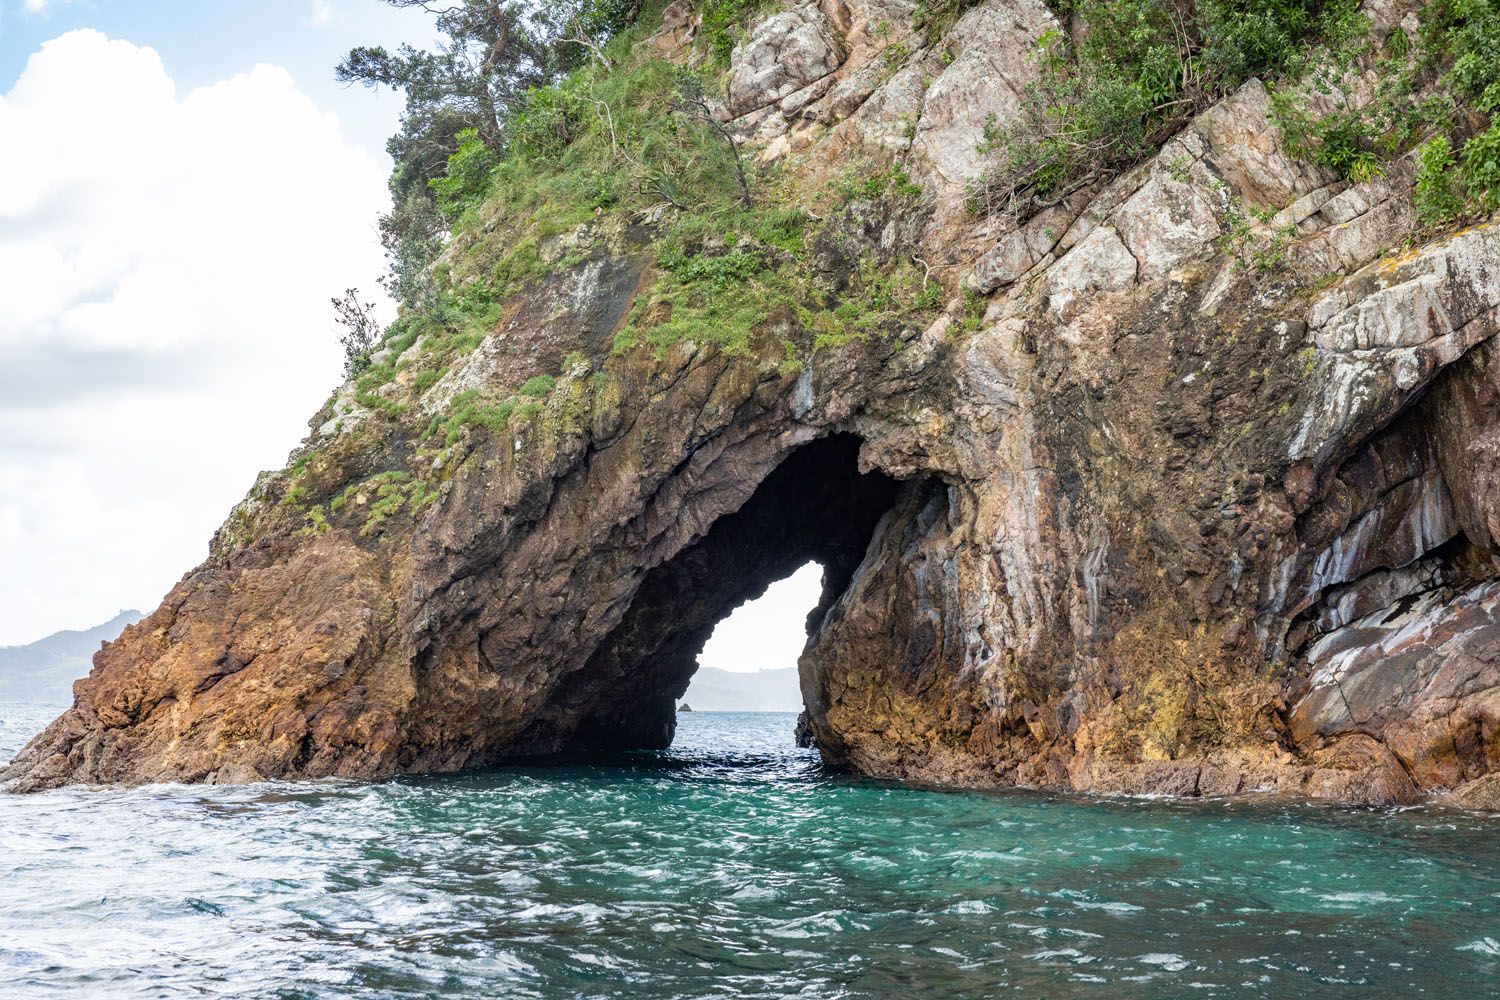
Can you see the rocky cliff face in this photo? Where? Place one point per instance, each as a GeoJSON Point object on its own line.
{"type": "Point", "coordinates": [1135, 512]}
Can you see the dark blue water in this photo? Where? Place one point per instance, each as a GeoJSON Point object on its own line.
{"type": "Point", "coordinates": [730, 866]}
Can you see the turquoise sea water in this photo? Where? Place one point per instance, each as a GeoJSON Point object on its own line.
{"type": "Point", "coordinates": [732, 865]}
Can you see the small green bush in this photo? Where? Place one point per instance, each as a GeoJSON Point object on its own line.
{"type": "Point", "coordinates": [722, 23]}
{"type": "Point", "coordinates": [1436, 199]}
{"type": "Point", "coordinates": [538, 386]}
{"type": "Point", "coordinates": [1143, 68]}
{"type": "Point", "coordinates": [1351, 144]}
{"type": "Point", "coordinates": [468, 178]}
{"type": "Point", "coordinates": [1465, 34]}
{"type": "Point", "coordinates": [549, 120]}
{"type": "Point", "coordinates": [1480, 167]}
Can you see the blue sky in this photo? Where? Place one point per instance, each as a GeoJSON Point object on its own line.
{"type": "Point", "coordinates": [202, 41]}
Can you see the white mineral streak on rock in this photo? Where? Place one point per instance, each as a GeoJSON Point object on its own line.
{"type": "Point", "coordinates": [1397, 671]}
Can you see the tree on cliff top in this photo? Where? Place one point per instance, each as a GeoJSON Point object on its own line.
{"type": "Point", "coordinates": [490, 54]}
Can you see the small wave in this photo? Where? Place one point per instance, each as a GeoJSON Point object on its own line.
{"type": "Point", "coordinates": [1172, 963]}
{"type": "Point", "coordinates": [1112, 907]}
{"type": "Point", "coordinates": [1484, 946]}
{"type": "Point", "coordinates": [1372, 896]}
{"type": "Point", "coordinates": [971, 906]}
{"type": "Point", "coordinates": [1071, 954]}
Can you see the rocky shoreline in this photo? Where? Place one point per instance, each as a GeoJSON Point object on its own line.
{"type": "Point", "coordinates": [1132, 513]}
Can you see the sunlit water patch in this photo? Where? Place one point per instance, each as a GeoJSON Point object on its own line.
{"type": "Point", "coordinates": [732, 865]}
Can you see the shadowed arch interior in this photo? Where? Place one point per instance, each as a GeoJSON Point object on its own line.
{"type": "Point", "coordinates": [815, 506]}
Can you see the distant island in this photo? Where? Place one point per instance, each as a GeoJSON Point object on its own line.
{"type": "Point", "coordinates": [44, 671]}
{"type": "Point", "coordinates": [715, 690]}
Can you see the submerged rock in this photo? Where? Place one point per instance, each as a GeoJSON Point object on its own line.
{"type": "Point", "coordinates": [1146, 520]}
{"type": "Point", "coordinates": [802, 736]}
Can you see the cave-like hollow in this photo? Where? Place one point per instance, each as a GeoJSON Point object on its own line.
{"type": "Point", "coordinates": [815, 506]}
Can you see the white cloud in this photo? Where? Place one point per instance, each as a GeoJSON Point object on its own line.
{"type": "Point", "coordinates": [166, 262]}
{"type": "Point", "coordinates": [322, 12]}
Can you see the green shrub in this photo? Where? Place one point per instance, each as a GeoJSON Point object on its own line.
{"type": "Point", "coordinates": [1465, 35]}
{"type": "Point", "coordinates": [1479, 169]}
{"type": "Point", "coordinates": [1351, 144]}
{"type": "Point", "coordinates": [722, 23]}
{"type": "Point", "coordinates": [549, 120]}
{"type": "Point", "coordinates": [538, 386]}
{"type": "Point", "coordinates": [1455, 173]}
{"type": "Point", "coordinates": [468, 178]}
{"type": "Point", "coordinates": [1143, 68]}
{"type": "Point", "coordinates": [1436, 199]}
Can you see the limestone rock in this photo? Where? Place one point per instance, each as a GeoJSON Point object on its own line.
{"type": "Point", "coordinates": [983, 81]}
{"type": "Point", "coordinates": [784, 53]}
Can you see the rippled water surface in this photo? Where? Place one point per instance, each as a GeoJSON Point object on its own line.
{"type": "Point", "coordinates": [730, 866]}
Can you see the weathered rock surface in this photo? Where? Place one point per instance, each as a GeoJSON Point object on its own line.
{"type": "Point", "coordinates": [1162, 521]}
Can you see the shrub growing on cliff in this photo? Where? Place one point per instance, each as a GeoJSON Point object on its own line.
{"type": "Point", "coordinates": [1143, 67]}
{"type": "Point", "coordinates": [1458, 167]}
{"type": "Point", "coordinates": [467, 178]}
{"type": "Point", "coordinates": [461, 96]}
{"type": "Point", "coordinates": [360, 332]}
{"type": "Point", "coordinates": [722, 22]}
{"type": "Point", "coordinates": [1351, 144]}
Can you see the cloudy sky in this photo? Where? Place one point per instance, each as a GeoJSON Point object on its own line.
{"type": "Point", "coordinates": [183, 188]}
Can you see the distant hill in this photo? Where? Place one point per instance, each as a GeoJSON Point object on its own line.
{"type": "Point", "coordinates": [715, 690]}
{"type": "Point", "coordinates": [44, 671]}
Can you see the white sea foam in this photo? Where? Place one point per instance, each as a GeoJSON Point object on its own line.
{"type": "Point", "coordinates": [1484, 946]}
{"type": "Point", "coordinates": [1373, 896]}
{"type": "Point", "coordinates": [1172, 963]}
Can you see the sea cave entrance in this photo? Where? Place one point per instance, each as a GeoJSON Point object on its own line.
{"type": "Point", "coordinates": [815, 507]}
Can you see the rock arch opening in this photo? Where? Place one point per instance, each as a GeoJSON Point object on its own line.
{"type": "Point", "coordinates": [816, 506]}
{"type": "Point", "coordinates": [749, 663]}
